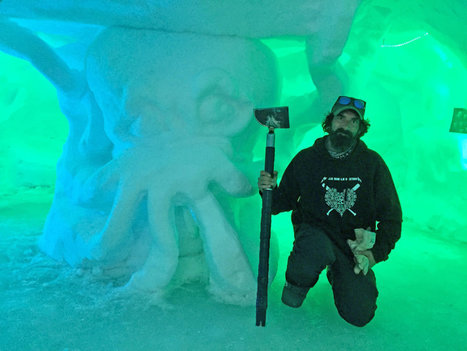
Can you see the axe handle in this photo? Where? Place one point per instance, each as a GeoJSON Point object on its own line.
{"type": "Point", "coordinates": [270, 150]}
{"type": "Point", "coordinates": [265, 237]}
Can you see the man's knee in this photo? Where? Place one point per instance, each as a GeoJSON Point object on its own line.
{"type": "Point", "coordinates": [357, 317]}
{"type": "Point", "coordinates": [355, 298]}
{"type": "Point", "coordinates": [357, 306]}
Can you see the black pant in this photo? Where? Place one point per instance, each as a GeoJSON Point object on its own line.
{"type": "Point", "coordinates": [354, 294]}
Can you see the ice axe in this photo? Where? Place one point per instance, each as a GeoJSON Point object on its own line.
{"type": "Point", "coordinates": [275, 117]}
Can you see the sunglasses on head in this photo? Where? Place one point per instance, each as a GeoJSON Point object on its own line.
{"type": "Point", "coordinates": [345, 100]}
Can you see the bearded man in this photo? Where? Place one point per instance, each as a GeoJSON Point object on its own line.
{"type": "Point", "coordinates": [346, 213]}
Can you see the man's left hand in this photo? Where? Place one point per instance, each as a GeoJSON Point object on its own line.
{"type": "Point", "coordinates": [364, 261]}
{"type": "Point", "coordinates": [363, 257]}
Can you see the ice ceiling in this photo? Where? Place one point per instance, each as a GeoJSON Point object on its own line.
{"type": "Point", "coordinates": [158, 160]}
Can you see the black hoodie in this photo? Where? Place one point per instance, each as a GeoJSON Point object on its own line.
{"type": "Point", "coordinates": [340, 195]}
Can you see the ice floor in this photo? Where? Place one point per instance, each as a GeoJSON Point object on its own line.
{"type": "Point", "coordinates": [45, 305]}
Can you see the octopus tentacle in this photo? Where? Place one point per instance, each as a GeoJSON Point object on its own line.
{"type": "Point", "coordinates": [162, 259]}
{"type": "Point", "coordinates": [117, 229]}
{"type": "Point", "coordinates": [228, 264]}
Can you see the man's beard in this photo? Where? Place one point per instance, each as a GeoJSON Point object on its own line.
{"type": "Point", "coordinates": [341, 139]}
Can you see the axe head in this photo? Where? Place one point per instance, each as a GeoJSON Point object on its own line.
{"type": "Point", "coordinates": [273, 117]}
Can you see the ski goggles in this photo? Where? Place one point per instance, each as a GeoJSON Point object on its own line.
{"type": "Point", "coordinates": [349, 103]}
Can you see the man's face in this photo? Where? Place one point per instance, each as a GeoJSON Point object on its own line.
{"type": "Point", "coordinates": [344, 129]}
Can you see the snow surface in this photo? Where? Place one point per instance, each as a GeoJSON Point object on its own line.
{"type": "Point", "coordinates": [47, 305]}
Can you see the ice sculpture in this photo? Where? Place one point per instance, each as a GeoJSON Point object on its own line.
{"type": "Point", "coordinates": [170, 115]}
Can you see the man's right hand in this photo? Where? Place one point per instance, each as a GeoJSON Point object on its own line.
{"type": "Point", "coordinates": [266, 181]}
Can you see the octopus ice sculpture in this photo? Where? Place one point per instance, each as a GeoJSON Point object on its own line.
{"type": "Point", "coordinates": [169, 113]}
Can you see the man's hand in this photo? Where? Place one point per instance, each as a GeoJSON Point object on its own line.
{"type": "Point", "coordinates": [364, 240]}
{"type": "Point", "coordinates": [364, 260]}
{"type": "Point", "coordinates": [363, 257]}
{"type": "Point", "coordinates": [266, 181]}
